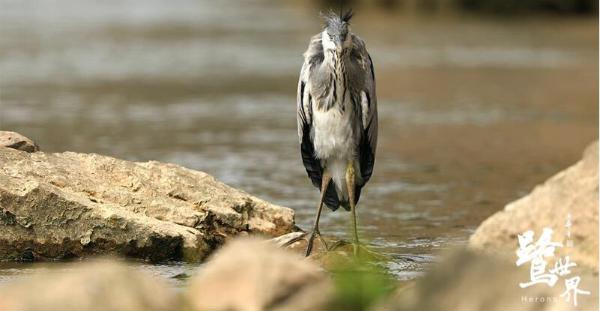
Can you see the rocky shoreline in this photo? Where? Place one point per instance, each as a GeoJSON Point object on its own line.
{"type": "Point", "coordinates": [570, 194]}
{"type": "Point", "coordinates": [69, 205]}
{"type": "Point", "coordinates": [65, 205]}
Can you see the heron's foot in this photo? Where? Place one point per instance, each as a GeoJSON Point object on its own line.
{"type": "Point", "coordinates": [325, 247]}
{"type": "Point", "coordinates": [337, 245]}
{"type": "Point", "coordinates": [311, 240]}
{"type": "Point", "coordinates": [362, 252]}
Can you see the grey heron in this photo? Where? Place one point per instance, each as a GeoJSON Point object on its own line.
{"type": "Point", "coordinates": [337, 118]}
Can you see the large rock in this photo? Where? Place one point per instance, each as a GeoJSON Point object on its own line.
{"type": "Point", "coordinates": [470, 281]}
{"type": "Point", "coordinates": [102, 285]}
{"type": "Point", "coordinates": [17, 141]}
{"type": "Point", "coordinates": [573, 191]}
{"type": "Point", "coordinates": [251, 275]}
{"type": "Point", "coordinates": [70, 204]}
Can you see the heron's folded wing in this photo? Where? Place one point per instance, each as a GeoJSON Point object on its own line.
{"type": "Point", "coordinates": [368, 143]}
{"type": "Point", "coordinates": [304, 119]}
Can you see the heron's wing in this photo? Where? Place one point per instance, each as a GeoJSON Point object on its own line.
{"type": "Point", "coordinates": [304, 114]}
{"type": "Point", "coordinates": [368, 143]}
{"type": "Point", "coordinates": [313, 58]}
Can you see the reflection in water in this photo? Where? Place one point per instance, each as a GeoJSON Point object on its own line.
{"type": "Point", "coordinates": [473, 112]}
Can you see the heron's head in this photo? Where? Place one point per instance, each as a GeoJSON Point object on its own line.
{"type": "Point", "coordinates": [335, 36]}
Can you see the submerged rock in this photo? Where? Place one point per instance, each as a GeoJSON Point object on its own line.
{"type": "Point", "coordinates": [251, 274]}
{"type": "Point", "coordinates": [573, 192]}
{"type": "Point", "coordinates": [71, 205]}
{"type": "Point", "coordinates": [101, 285]}
{"type": "Point", "coordinates": [17, 141]}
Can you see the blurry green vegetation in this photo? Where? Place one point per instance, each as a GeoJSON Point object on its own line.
{"type": "Point", "coordinates": [360, 284]}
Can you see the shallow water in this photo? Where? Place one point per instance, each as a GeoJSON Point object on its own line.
{"type": "Point", "coordinates": [473, 112]}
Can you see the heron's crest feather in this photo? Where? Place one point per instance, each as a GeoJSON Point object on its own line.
{"type": "Point", "coordinates": [333, 19]}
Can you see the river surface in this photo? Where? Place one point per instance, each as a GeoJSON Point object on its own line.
{"type": "Point", "coordinates": [474, 111]}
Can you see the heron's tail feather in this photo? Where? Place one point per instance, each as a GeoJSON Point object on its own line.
{"type": "Point", "coordinates": [331, 198]}
{"type": "Point", "coordinates": [346, 204]}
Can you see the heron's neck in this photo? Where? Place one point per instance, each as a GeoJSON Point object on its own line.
{"type": "Point", "coordinates": [332, 58]}
{"type": "Point", "coordinates": [335, 69]}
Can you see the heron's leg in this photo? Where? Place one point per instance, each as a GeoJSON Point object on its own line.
{"type": "Point", "coordinates": [326, 178]}
{"type": "Point", "coordinates": [350, 183]}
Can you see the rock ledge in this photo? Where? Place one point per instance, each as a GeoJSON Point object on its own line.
{"type": "Point", "coordinates": [61, 205]}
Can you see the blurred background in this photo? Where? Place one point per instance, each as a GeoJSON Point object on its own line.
{"type": "Point", "coordinates": [479, 100]}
